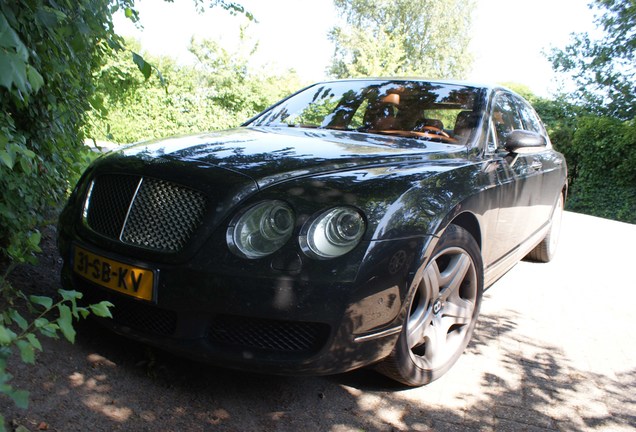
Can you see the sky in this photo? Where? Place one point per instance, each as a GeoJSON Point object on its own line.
{"type": "Point", "coordinates": [509, 37]}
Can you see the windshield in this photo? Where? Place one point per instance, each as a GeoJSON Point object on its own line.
{"type": "Point", "coordinates": [429, 111]}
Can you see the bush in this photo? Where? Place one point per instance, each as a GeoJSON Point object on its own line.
{"type": "Point", "coordinates": [49, 53]}
{"type": "Point", "coordinates": [601, 156]}
{"type": "Point", "coordinates": [221, 91]}
{"type": "Point", "coordinates": [604, 153]}
{"type": "Point", "coordinates": [48, 57]}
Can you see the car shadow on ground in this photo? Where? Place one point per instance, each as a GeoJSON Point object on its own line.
{"type": "Point", "coordinates": [503, 382]}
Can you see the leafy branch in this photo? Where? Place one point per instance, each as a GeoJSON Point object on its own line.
{"type": "Point", "coordinates": [16, 332]}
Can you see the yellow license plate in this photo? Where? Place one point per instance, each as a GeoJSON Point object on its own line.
{"type": "Point", "coordinates": [124, 278]}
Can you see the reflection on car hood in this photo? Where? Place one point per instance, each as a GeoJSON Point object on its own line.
{"type": "Point", "coordinates": [269, 155]}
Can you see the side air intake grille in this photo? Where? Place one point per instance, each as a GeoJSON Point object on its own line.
{"type": "Point", "coordinates": [270, 335]}
{"type": "Point", "coordinates": [145, 212]}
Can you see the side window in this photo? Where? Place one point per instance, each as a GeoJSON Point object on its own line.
{"type": "Point", "coordinates": [530, 118]}
{"type": "Point", "coordinates": [505, 118]}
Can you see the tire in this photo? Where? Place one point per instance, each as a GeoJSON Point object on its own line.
{"type": "Point", "coordinates": [442, 312]}
{"type": "Point", "coordinates": [546, 250]}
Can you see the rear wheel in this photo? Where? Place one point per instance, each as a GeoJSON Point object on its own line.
{"type": "Point", "coordinates": [545, 251]}
{"type": "Point", "coordinates": [442, 313]}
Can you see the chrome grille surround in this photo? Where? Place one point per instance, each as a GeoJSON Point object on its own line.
{"type": "Point", "coordinates": [143, 211]}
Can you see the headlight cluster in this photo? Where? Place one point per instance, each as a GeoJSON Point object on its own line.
{"type": "Point", "coordinates": [261, 230]}
{"type": "Point", "coordinates": [268, 225]}
{"type": "Point", "coordinates": [333, 233]}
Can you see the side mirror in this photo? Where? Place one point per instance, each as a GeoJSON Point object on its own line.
{"type": "Point", "coordinates": [523, 141]}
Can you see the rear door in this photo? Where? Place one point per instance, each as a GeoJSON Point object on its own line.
{"type": "Point", "coordinates": [521, 204]}
{"type": "Point", "coordinates": [547, 168]}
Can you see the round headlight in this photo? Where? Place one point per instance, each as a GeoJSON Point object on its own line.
{"type": "Point", "coordinates": [333, 233]}
{"type": "Point", "coordinates": [261, 230]}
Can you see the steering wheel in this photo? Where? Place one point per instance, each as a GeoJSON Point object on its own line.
{"type": "Point", "coordinates": [434, 130]}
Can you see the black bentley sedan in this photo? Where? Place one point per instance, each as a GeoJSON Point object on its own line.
{"type": "Point", "coordinates": [355, 223]}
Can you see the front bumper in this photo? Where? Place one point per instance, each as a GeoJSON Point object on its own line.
{"type": "Point", "coordinates": [282, 324]}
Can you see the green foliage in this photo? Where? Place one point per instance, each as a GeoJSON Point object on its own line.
{"type": "Point", "coordinates": [604, 69]}
{"type": "Point", "coordinates": [219, 91]}
{"type": "Point", "coordinates": [604, 185]}
{"type": "Point", "coordinates": [21, 334]}
{"type": "Point", "coordinates": [402, 38]}
{"type": "Point", "coordinates": [48, 53]}
{"type": "Point", "coordinates": [594, 125]}
{"type": "Point", "coordinates": [601, 156]}
{"type": "Point", "coordinates": [48, 56]}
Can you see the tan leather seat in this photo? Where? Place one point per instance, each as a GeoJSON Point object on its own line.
{"type": "Point", "coordinates": [382, 114]}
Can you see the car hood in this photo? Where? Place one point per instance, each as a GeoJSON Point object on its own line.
{"type": "Point", "coordinates": [271, 155]}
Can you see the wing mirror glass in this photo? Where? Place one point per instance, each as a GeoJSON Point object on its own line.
{"type": "Point", "coordinates": [523, 141]}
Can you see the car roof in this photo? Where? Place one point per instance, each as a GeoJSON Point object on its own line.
{"type": "Point", "coordinates": [486, 86]}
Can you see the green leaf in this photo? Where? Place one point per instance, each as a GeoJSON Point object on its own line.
{"type": "Point", "coordinates": [50, 330]}
{"type": "Point", "coordinates": [6, 335]}
{"type": "Point", "coordinates": [27, 353]}
{"type": "Point", "coordinates": [102, 309]}
{"type": "Point", "coordinates": [46, 18]}
{"type": "Point", "coordinates": [27, 168]}
{"type": "Point", "coordinates": [34, 239]}
{"type": "Point", "coordinates": [18, 319]}
{"type": "Point", "coordinates": [33, 340]}
{"type": "Point", "coordinates": [143, 65]}
{"type": "Point", "coordinates": [26, 152]}
{"type": "Point", "coordinates": [6, 158]}
{"type": "Point", "coordinates": [20, 398]}
{"type": "Point", "coordinates": [35, 79]}
{"type": "Point", "coordinates": [10, 39]}
{"type": "Point", "coordinates": [70, 295]}
{"type": "Point", "coordinates": [45, 302]}
{"type": "Point", "coordinates": [83, 312]}
{"type": "Point", "coordinates": [2, 428]}
{"type": "Point", "coordinates": [131, 14]}
{"type": "Point", "coordinates": [13, 71]}
{"type": "Point", "coordinates": [41, 322]}
{"type": "Point", "coordinates": [65, 321]}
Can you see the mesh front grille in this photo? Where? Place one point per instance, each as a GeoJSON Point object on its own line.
{"type": "Point", "coordinates": [108, 202]}
{"type": "Point", "coordinates": [163, 216]}
{"type": "Point", "coordinates": [282, 336]}
{"type": "Point", "coordinates": [144, 212]}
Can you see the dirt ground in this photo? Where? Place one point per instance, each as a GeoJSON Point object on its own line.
{"type": "Point", "coordinates": [550, 353]}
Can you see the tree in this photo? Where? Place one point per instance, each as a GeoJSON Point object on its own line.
{"type": "Point", "coordinates": [402, 38]}
{"type": "Point", "coordinates": [221, 90]}
{"type": "Point", "coordinates": [604, 69]}
{"type": "Point", "coordinates": [596, 122]}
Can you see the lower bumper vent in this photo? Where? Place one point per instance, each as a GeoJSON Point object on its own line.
{"type": "Point", "coordinates": [270, 335]}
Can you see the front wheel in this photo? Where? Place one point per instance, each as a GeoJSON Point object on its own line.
{"type": "Point", "coordinates": [442, 313]}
